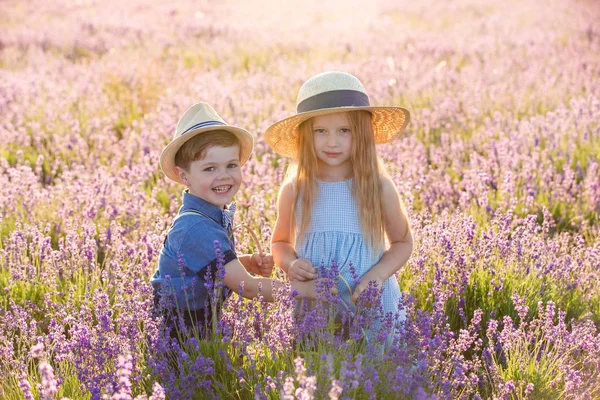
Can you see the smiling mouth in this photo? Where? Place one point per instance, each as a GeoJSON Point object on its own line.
{"type": "Point", "coordinates": [221, 189]}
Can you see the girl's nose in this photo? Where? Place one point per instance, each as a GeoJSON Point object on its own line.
{"type": "Point", "coordinates": [332, 140]}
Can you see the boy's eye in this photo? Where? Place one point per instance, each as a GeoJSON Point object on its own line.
{"type": "Point", "coordinates": [209, 169]}
{"type": "Point", "coordinates": [232, 165]}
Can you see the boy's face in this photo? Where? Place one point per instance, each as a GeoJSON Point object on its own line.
{"type": "Point", "coordinates": [217, 177]}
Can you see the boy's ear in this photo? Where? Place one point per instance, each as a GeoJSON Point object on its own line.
{"type": "Point", "coordinates": [182, 174]}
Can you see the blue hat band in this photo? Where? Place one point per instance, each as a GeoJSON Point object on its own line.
{"type": "Point", "coordinates": [203, 125]}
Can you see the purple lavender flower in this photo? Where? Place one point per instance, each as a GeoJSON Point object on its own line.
{"type": "Point", "coordinates": [25, 387]}
{"type": "Point", "coordinates": [158, 393]}
{"type": "Point", "coordinates": [220, 274]}
{"type": "Point", "coordinates": [123, 384]}
{"type": "Point", "coordinates": [336, 390]}
{"type": "Point", "coordinates": [529, 389]}
{"type": "Point", "coordinates": [49, 385]}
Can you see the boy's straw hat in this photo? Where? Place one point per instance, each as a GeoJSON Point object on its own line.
{"type": "Point", "coordinates": [198, 119]}
{"type": "Point", "coordinates": [328, 93]}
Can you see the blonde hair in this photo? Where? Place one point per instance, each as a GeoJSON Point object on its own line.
{"type": "Point", "coordinates": [367, 174]}
{"type": "Point", "coordinates": [196, 148]}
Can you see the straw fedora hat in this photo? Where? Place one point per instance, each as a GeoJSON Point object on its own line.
{"type": "Point", "coordinates": [198, 119]}
{"type": "Point", "coordinates": [328, 93]}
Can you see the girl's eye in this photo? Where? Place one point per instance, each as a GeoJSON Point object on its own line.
{"type": "Point", "coordinates": [209, 169]}
{"type": "Point", "coordinates": [320, 131]}
{"type": "Point", "coordinates": [345, 130]}
{"type": "Point", "coordinates": [232, 165]}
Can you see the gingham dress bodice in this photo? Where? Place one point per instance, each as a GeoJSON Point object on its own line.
{"type": "Point", "coordinates": [335, 234]}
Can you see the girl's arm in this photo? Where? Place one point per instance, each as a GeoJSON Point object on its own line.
{"type": "Point", "coordinates": [399, 236]}
{"type": "Point", "coordinates": [284, 253]}
{"type": "Point", "coordinates": [235, 273]}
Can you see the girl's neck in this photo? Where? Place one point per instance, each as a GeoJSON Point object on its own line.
{"type": "Point", "coordinates": [329, 173]}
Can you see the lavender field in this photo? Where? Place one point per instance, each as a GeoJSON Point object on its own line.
{"type": "Point", "coordinates": [499, 170]}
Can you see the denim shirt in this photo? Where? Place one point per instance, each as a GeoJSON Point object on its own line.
{"type": "Point", "coordinates": [189, 249]}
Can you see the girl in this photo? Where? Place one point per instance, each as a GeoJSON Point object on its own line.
{"type": "Point", "coordinates": [339, 204]}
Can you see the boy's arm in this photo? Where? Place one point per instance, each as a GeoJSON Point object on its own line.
{"type": "Point", "coordinates": [284, 253]}
{"type": "Point", "coordinates": [235, 273]}
{"type": "Point", "coordinates": [399, 235]}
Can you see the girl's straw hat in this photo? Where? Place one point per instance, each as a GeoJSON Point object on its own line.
{"type": "Point", "coordinates": [328, 93]}
{"type": "Point", "coordinates": [198, 119]}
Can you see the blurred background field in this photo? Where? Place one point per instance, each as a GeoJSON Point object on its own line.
{"type": "Point", "coordinates": [499, 169]}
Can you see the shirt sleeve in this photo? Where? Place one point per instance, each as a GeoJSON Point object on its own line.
{"type": "Point", "coordinates": [198, 247]}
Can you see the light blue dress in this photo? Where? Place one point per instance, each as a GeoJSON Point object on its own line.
{"type": "Point", "coordinates": [335, 234]}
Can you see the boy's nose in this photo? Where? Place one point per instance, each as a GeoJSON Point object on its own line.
{"type": "Point", "coordinates": [223, 174]}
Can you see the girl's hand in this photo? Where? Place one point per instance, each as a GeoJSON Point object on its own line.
{"type": "Point", "coordinates": [262, 264]}
{"type": "Point", "coordinates": [301, 270]}
{"type": "Point", "coordinates": [363, 285]}
{"type": "Point", "coordinates": [308, 289]}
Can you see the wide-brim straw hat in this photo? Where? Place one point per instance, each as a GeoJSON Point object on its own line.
{"type": "Point", "coordinates": [328, 93]}
{"type": "Point", "coordinates": [198, 119]}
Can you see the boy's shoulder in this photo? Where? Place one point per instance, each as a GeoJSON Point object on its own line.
{"type": "Point", "coordinates": [197, 223]}
{"type": "Point", "coordinates": [196, 232]}
{"type": "Point", "coordinates": [199, 213]}
{"type": "Point", "coordinates": [196, 220]}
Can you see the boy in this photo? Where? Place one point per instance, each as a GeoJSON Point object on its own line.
{"type": "Point", "coordinates": [206, 155]}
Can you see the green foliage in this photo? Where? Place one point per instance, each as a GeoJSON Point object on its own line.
{"type": "Point", "coordinates": [421, 289]}
{"type": "Point", "coordinates": [20, 291]}
{"type": "Point", "coordinates": [492, 293]}
{"type": "Point", "coordinates": [8, 223]}
{"type": "Point", "coordinates": [534, 360]}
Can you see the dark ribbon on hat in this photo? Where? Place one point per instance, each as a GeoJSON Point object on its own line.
{"type": "Point", "coordinates": [203, 125]}
{"type": "Point", "coordinates": [228, 214]}
{"type": "Point", "coordinates": [334, 99]}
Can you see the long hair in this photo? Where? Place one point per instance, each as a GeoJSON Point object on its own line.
{"type": "Point", "coordinates": [367, 172]}
{"type": "Point", "coordinates": [305, 172]}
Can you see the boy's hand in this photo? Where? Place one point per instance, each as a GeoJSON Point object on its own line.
{"type": "Point", "coordinates": [262, 264]}
{"type": "Point", "coordinates": [308, 289]}
{"type": "Point", "coordinates": [301, 270]}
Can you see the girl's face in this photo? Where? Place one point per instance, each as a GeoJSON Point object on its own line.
{"type": "Point", "coordinates": [217, 177]}
{"type": "Point", "coordinates": [333, 140]}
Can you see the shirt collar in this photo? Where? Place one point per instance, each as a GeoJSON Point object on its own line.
{"type": "Point", "coordinates": [191, 202]}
